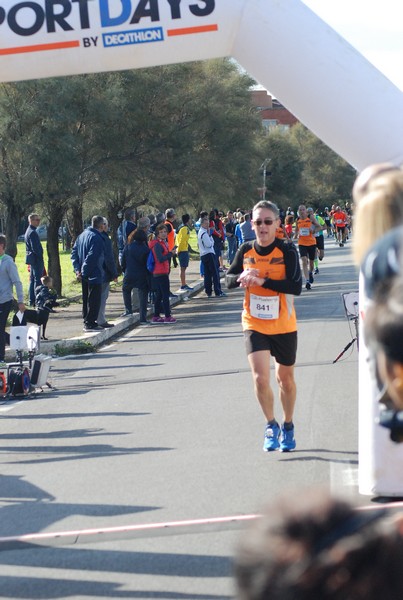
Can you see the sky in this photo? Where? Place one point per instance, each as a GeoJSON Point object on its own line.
{"type": "Point", "coordinates": [374, 27]}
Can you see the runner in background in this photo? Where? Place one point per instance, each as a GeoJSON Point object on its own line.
{"type": "Point", "coordinates": [305, 228]}
{"type": "Point", "coordinates": [320, 240]}
{"type": "Point", "coordinates": [340, 223]}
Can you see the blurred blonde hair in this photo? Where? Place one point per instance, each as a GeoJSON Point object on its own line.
{"type": "Point", "coordinates": [378, 208]}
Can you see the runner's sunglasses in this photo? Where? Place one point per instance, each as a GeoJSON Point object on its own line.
{"type": "Point", "coordinates": [260, 222]}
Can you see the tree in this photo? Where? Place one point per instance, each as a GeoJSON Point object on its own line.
{"type": "Point", "coordinates": [326, 177]}
{"type": "Point", "coordinates": [285, 166]}
{"type": "Point", "coordinates": [181, 135]}
{"type": "Point", "coordinates": [17, 117]}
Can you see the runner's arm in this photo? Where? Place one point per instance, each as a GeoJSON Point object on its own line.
{"type": "Point", "coordinates": [292, 284]}
{"type": "Point", "coordinates": [235, 269]}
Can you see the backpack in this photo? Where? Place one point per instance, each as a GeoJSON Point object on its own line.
{"type": "Point", "coordinates": [151, 262]}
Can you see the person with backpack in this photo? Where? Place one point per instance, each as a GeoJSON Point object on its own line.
{"type": "Point", "coordinates": [160, 274]}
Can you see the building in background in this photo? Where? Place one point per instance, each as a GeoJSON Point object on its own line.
{"type": "Point", "coordinates": [271, 111]}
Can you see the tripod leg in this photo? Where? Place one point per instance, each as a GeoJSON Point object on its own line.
{"type": "Point", "coordinates": [345, 350]}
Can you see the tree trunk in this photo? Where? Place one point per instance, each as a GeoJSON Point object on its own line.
{"type": "Point", "coordinates": [76, 218]}
{"type": "Point", "coordinates": [114, 222]}
{"type": "Point", "coordinates": [11, 230]}
{"type": "Point", "coordinates": [52, 245]}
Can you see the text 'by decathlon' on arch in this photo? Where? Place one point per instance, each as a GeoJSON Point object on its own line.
{"type": "Point", "coordinates": [284, 45]}
{"type": "Point", "coordinates": [45, 38]}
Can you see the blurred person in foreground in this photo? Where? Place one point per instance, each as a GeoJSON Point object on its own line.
{"type": "Point", "coordinates": [384, 327]}
{"type": "Point", "coordinates": [310, 546]}
{"type": "Point", "coordinates": [378, 208]}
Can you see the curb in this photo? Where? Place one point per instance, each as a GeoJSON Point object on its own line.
{"type": "Point", "coordinates": [96, 339]}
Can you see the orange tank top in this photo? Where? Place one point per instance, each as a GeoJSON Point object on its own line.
{"type": "Point", "coordinates": [280, 233]}
{"type": "Point", "coordinates": [305, 235]}
{"type": "Point", "coordinates": [264, 310]}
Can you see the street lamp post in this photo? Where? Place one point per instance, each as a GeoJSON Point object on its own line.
{"type": "Point", "coordinates": [263, 167]}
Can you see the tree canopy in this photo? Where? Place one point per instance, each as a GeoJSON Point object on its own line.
{"type": "Point", "coordinates": [183, 135]}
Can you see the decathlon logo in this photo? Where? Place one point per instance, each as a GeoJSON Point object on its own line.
{"type": "Point", "coordinates": [139, 36]}
{"type": "Point", "coordinates": [29, 18]}
{"type": "Point", "coordinates": [36, 18]}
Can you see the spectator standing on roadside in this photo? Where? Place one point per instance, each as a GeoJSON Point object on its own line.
{"type": "Point", "coordinates": [127, 226]}
{"type": "Point", "coordinates": [9, 279]}
{"type": "Point", "coordinates": [218, 233]}
{"type": "Point", "coordinates": [136, 274]}
{"type": "Point", "coordinates": [88, 258]}
{"type": "Point", "coordinates": [230, 235]}
{"type": "Point", "coordinates": [34, 255]}
{"type": "Point", "coordinates": [159, 218]}
{"type": "Point", "coordinates": [144, 223]}
{"type": "Point", "coordinates": [238, 234]}
{"type": "Point", "coordinates": [183, 250]}
{"type": "Point", "coordinates": [111, 274]}
{"type": "Point", "coordinates": [170, 216]}
{"type": "Point", "coordinates": [162, 255]}
{"type": "Point", "coordinates": [247, 232]}
{"type": "Point", "coordinates": [209, 262]}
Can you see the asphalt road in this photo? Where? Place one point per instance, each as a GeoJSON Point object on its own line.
{"type": "Point", "coordinates": [162, 426]}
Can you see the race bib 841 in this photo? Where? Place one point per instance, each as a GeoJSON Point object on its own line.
{"type": "Point", "coordinates": [264, 307]}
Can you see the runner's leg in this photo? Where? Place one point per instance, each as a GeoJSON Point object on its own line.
{"type": "Point", "coordinates": [260, 365]}
{"type": "Point", "coordinates": [287, 389]}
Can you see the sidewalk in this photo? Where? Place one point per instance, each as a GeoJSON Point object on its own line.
{"type": "Point", "coordinates": [65, 328]}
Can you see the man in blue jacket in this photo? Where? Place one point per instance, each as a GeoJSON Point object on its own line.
{"type": "Point", "coordinates": [34, 255]}
{"type": "Point", "coordinates": [88, 258]}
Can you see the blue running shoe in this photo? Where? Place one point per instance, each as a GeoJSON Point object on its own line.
{"type": "Point", "coordinates": [287, 440]}
{"type": "Point", "coordinates": [271, 436]}
{"type": "Point", "coordinates": [310, 278]}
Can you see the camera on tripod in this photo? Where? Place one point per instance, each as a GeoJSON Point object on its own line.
{"type": "Point", "coordinates": [351, 307]}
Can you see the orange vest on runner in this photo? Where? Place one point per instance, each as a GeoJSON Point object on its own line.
{"type": "Point", "coordinates": [340, 219]}
{"type": "Point", "coordinates": [305, 235]}
{"type": "Point", "coordinates": [170, 236]}
{"type": "Point", "coordinates": [280, 233]}
{"type": "Point", "coordinates": [273, 267]}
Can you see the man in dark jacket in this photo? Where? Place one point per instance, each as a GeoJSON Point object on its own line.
{"type": "Point", "coordinates": [88, 258]}
{"type": "Point", "coordinates": [134, 264]}
{"type": "Point", "coordinates": [34, 255]}
{"type": "Point", "coordinates": [111, 274]}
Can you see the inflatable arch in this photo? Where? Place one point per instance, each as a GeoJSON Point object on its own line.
{"type": "Point", "coordinates": [313, 71]}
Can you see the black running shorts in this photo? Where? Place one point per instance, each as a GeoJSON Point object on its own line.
{"type": "Point", "coordinates": [283, 347]}
{"type": "Point", "coordinates": [320, 242]}
{"type": "Point", "coordinates": [308, 251]}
